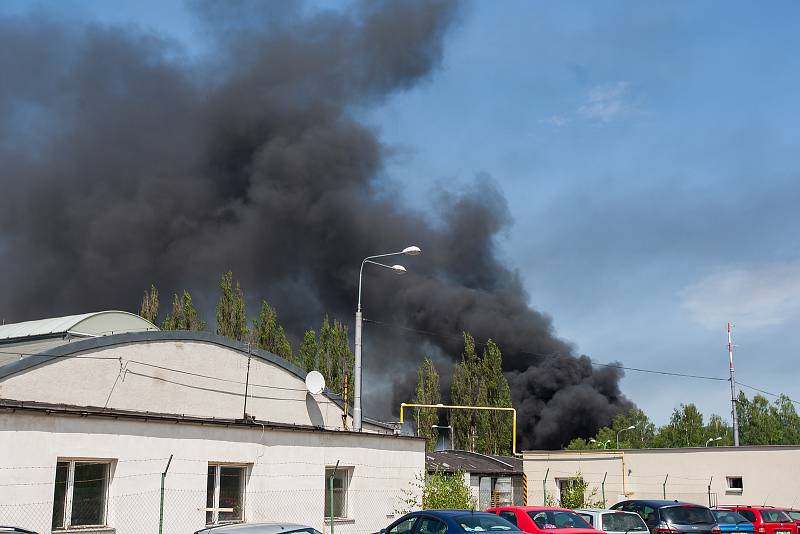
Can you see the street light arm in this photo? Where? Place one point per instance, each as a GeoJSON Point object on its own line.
{"type": "Point", "coordinates": [367, 260]}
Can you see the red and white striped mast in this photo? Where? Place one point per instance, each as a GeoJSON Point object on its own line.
{"type": "Point", "coordinates": [733, 390]}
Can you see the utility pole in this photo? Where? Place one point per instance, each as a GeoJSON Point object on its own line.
{"type": "Point", "coordinates": [733, 390]}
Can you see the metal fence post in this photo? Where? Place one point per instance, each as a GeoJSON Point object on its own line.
{"type": "Point", "coordinates": [161, 506]}
{"type": "Point", "coordinates": [544, 487]}
{"type": "Point", "coordinates": [709, 492]}
{"type": "Point", "coordinates": [665, 485]}
{"type": "Point", "coordinates": [603, 489]}
{"type": "Point", "coordinates": [330, 486]}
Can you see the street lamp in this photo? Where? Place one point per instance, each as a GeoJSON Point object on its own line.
{"type": "Point", "coordinates": [623, 430]}
{"type": "Point", "coordinates": [399, 269]}
{"type": "Point", "coordinates": [709, 440]}
{"type": "Point", "coordinates": [605, 443]}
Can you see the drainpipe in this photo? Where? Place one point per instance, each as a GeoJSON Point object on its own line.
{"type": "Point", "coordinates": [161, 507]}
{"type": "Point", "coordinates": [544, 487]}
{"type": "Point", "coordinates": [665, 485]}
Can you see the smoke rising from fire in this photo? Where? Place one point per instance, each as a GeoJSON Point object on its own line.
{"type": "Point", "coordinates": [125, 162]}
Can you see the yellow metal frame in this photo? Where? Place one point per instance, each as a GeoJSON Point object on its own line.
{"type": "Point", "coordinates": [454, 407]}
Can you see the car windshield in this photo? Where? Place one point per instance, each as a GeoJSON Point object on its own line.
{"type": "Point", "coordinates": [622, 522]}
{"type": "Point", "coordinates": [551, 519]}
{"type": "Point", "coordinates": [687, 515]}
{"type": "Point", "coordinates": [483, 523]}
{"type": "Point", "coordinates": [728, 517]}
{"type": "Point", "coordinates": [775, 516]}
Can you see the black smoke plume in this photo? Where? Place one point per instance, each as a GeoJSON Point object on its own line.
{"type": "Point", "coordinates": [125, 160]}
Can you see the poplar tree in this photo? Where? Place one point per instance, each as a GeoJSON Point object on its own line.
{"type": "Point", "coordinates": [465, 391]}
{"type": "Point", "coordinates": [149, 309]}
{"type": "Point", "coordinates": [269, 335]}
{"type": "Point", "coordinates": [336, 360]}
{"type": "Point", "coordinates": [231, 315]}
{"type": "Point", "coordinates": [183, 315]}
{"type": "Point", "coordinates": [494, 427]}
{"type": "Point", "coordinates": [308, 351]}
{"type": "Point", "coordinates": [427, 392]}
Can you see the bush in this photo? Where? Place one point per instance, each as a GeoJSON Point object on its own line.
{"type": "Point", "coordinates": [438, 490]}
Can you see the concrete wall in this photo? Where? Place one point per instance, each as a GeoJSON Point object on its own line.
{"type": "Point", "coordinates": [177, 377]}
{"type": "Point", "coordinates": [285, 467]}
{"type": "Point", "coordinates": [770, 475]}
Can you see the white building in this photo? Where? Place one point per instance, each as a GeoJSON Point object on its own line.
{"type": "Point", "coordinates": [89, 422]}
{"type": "Point", "coordinates": [709, 476]}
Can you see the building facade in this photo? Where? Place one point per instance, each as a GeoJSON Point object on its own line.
{"type": "Point", "coordinates": [709, 476]}
{"type": "Point", "coordinates": [132, 432]}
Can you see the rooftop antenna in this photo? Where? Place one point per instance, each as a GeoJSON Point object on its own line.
{"type": "Point", "coordinates": [733, 390]}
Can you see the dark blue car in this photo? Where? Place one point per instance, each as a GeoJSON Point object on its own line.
{"type": "Point", "coordinates": [450, 522]}
{"type": "Point", "coordinates": [732, 521]}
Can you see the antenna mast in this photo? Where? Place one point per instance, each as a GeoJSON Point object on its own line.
{"type": "Point", "coordinates": [733, 390]}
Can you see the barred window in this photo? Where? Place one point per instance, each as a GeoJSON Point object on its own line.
{"type": "Point", "coordinates": [338, 499]}
{"type": "Point", "coordinates": [225, 493]}
{"type": "Point", "coordinates": [81, 493]}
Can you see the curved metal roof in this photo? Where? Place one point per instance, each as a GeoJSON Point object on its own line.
{"type": "Point", "coordinates": [123, 322]}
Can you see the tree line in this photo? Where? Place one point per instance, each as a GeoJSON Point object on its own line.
{"type": "Point", "coordinates": [476, 381]}
{"type": "Point", "coordinates": [760, 423]}
{"type": "Point", "coordinates": [327, 351]}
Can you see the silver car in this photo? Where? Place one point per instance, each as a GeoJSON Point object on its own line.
{"type": "Point", "coordinates": [614, 521]}
{"type": "Point", "coordinates": [259, 528]}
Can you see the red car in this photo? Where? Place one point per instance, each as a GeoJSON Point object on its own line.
{"type": "Point", "coordinates": [766, 520]}
{"type": "Point", "coordinates": [795, 515]}
{"type": "Point", "coordinates": [541, 519]}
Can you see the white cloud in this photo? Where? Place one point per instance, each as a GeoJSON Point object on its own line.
{"type": "Point", "coordinates": [768, 295]}
{"type": "Point", "coordinates": [604, 103]}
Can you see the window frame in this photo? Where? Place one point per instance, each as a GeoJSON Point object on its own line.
{"type": "Point", "coordinates": [66, 519]}
{"type": "Point", "coordinates": [346, 472]}
{"type": "Point", "coordinates": [729, 489]}
{"type": "Point", "coordinates": [215, 509]}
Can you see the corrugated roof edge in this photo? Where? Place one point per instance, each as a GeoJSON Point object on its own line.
{"type": "Point", "coordinates": [85, 345]}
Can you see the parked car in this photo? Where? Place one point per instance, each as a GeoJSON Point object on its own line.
{"type": "Point", "coordinates": [732, 521]}
{"type": "Point", "coordinates": [15, 530]}
{"type": "Point", "coordinates": [449, 521]}
{"type": "Point", "coordinates": [795, 515]}
{"type": "Point", "coordinates": [613, 521]}
{"type": "Point", "coordinates": [766, 519]}
{"type": "Point", "coordinates": [259, 528]}
{"type": "Point", "coordinates": [672, 517]}
{"type": "Point", "coordinates": [538, 519]}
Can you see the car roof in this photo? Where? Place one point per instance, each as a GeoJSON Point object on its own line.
{"type": "Point", "coordinates": [659, 503]}
{"type": "Point", "coordinates": [532, 508]}
{"type": "Point", "coordinates": [448, 512]}
{"type": "Point", "coordinates": [256, 528]}
{"type": "Point", "coordinates": [604, 510]}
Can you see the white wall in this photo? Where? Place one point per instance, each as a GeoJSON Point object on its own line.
{"type": "Point", "coordinates": [770, 474]}
{"type": "Point", "coordinates": [177, 377]}
{"type": "Point", "coordinates": [285, 477]}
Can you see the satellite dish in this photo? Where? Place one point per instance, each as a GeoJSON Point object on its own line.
{"type": "Point", "coordinates": [315, 382]}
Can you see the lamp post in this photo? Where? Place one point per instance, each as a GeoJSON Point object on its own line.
{"type": "Point", "coordinates": [597, 443]}
{"type": "Point", "coordinates": [710, 440]}
{"type": "Point", "coordinates": [399, 269]}
{"type": "Point", "coordinates": [623, 430]}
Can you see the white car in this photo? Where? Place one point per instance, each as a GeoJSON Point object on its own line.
{"type": "Point", "coordinates": [613, 521]}
{"type": "Point", "coordinates": [259, 528]}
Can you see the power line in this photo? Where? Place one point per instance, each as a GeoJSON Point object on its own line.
{"type": "Point", "coordinates": [666, 373]}
{"type": "Point", "coordinates": [766, 392]}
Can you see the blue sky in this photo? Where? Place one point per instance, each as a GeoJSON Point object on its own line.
{"type": "Point", "coordinates": [648, 153]}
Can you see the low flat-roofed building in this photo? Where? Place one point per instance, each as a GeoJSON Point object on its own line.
{"type": "Point", "coordinates": [89, 429]}
{"type": "Point", "coordinates": [493, 480]}
{"type": "Point", "coordinates": [710, 476]}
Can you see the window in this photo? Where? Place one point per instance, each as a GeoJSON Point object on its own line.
{"type": "Point", "coordinates": [623, 522]}
{"type": "Point", "coordinates": [80, 495]}
{"type": "Point", "coordinates": [225, 493]}
{"type": "Point", "coordinates": [774, 516]}
{"type": "Point", "coordinates": [484, 522]}
{"type": "Point", "coordinates": [735, 484]}
{"type": "Point", "coordinates": [551, 519]}
{"type": "Point", "coordinates": [403, 527]}
{"type": "Point", "coordinates": [338, 500]}
{"type": "Point", "coordinates": [750, 516]}
{"type": "Point", "coordinates": [429, 525]}
{"type": "Point", "coordinates": [687, 515]}
{"type": "Point", "coordinates": [511, 517]}
{"type": "Point", "coordinates": [589, 519]}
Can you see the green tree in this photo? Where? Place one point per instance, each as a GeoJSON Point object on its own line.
{"type": "Point", "coordinates": [493, 427]}
{"type": "Point", "coordinates": [335, 359]}
{"type": "Point", "coordinates": [269, 335]}
{"type": "Point", "coordinates": [576, 494]}
{"type": "Point", "coordinates": [789, 420]}
{"type": "Point", "coordinates": [308, 351]}
{"type": "Point", "coordinates": [427, 392]}
{"type": "Point", "coordinates": [759, 422]}
{"type": "Point", "coordinates": [231, 315]}
{"type": "Point", "coordinates": [465, 391]}
{"type": "Point", "coordinates": [685, 429]}
{"type": "Point", "coordinates": [149, 309]}
{"type": "Point", "coordinates": [437, 490]}
{"type": "Point", "coordinates": [183, 315]}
